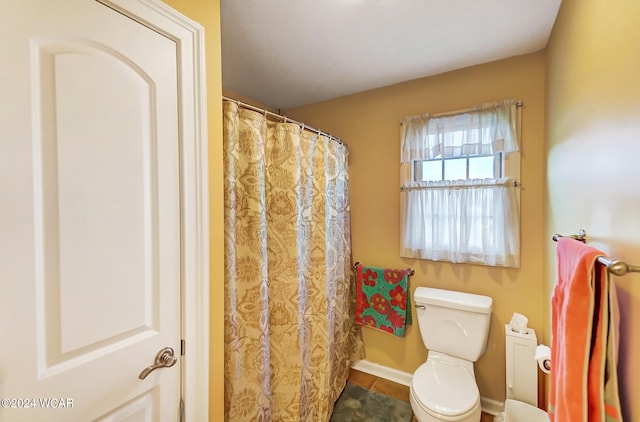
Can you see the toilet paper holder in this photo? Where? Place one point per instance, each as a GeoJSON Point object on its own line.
{"type": "Point", "coordinates": [543, 356]}
{"type": "Point", "coordinates": [547, 364]}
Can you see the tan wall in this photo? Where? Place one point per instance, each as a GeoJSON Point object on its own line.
{"type": "Point", "coordinates": [593, 116]}
{"type": "Point", "coordinates": [370, 123]}
{"type": "Point", "coordinates": [207, 13]}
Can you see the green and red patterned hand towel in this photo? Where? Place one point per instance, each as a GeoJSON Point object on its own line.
{"type": "Point", "coordinates": [382, 299]}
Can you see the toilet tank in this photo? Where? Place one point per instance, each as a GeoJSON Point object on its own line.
{"type": "Point", "coordinates": [451, 322]}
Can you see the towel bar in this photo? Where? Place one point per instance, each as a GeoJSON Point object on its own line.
{"type": "Point", "coordinates": [614, 266]}
{"type": "Point", "coordinates": [410, 270]}
{"type": "Point", "coordinates": [580, 237]}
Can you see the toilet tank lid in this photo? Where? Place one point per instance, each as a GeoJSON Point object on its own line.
{"type": "Point", "coordinates": [453, 299]}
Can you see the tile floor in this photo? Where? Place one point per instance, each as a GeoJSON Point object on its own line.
{"type": "Point", "coordinates": [389, 388]}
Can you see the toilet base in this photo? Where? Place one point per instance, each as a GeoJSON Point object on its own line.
{"type": "Point", "coordinates": [422, 415]}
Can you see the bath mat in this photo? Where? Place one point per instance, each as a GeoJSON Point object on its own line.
{"type": "Point", "coordinates": [357, 404]}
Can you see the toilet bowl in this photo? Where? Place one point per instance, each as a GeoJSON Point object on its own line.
{"type": "Point", "coordinates": [454, 327]}
{"type": "Point", "coordinates": [444, 389]}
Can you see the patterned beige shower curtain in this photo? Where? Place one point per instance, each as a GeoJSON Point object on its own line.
{"type": "Point", "coordinates": [288, 335]}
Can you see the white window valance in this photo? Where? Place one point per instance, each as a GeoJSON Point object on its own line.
{"type": "Point", "coordinates": [482, 130]}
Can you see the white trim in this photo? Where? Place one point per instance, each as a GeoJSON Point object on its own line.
{"type": "Point", "coordinates": [490, 406]}
{"type": "Point", "coordinates": [189, 38]}
{"type": "Point", "coordinates": [381, 371]}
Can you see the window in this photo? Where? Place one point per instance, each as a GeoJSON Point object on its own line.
{"type": "Point", "coordinates": [465, 168]}
{"type": "Point", "coordinates": [458, 196]}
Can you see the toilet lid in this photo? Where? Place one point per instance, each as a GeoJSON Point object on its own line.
{"type": "Point", "coordinates": [445, 388]}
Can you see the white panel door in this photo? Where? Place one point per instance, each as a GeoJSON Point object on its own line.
{"type": "Point", "coordinates": [89, 215]}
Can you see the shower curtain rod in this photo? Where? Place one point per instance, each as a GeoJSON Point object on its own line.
{"type": "Point", "coordinates": [285, 119]}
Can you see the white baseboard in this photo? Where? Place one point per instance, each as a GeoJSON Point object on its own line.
{"type": "Point", "coordinates": [490, 406]}
{"type": "Point", "coordinates": [381, 371]}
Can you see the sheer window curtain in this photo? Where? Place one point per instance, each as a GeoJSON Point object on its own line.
{"type": "Point", "coordinates": [476, 220]}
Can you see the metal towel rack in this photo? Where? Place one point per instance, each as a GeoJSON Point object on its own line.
{"type": "Point", "coordinates": [614, 266]}
{"type": "Point", "coordinates": [410, 270]}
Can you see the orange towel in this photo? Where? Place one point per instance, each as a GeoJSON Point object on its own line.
{"type": "Point", "coordinates": [583, 330]}
{"type": "Point", "coordinates": [613, 409]}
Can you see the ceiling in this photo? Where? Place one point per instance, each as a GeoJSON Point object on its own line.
{"type": "Point", "coordinates": [288, 53]}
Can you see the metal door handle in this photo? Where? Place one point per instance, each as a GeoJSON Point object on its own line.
{"type": "Point", "coordinates": [164, 359]}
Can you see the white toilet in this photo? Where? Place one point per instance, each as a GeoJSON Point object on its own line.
{"type": "Point", "coordinates": [454, 327]}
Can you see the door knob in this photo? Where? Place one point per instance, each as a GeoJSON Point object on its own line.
{"type": "Point", "coordinates": [164, 359]}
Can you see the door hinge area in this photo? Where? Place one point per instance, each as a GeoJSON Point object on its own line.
{"type": "Point", "coordinates": [182, 347]}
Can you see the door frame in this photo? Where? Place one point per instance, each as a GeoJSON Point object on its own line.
{"type": "Point", "coordinates": [189, 38]}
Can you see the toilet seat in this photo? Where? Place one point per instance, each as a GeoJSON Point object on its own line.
{"type": "Point", "coordinates": [445, 389]}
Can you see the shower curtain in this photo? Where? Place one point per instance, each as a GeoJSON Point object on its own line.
{"type": "Point", "coordinates": [288, 333]}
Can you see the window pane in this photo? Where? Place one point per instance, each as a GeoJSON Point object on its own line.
{"type": "Point", "coordinates": [455, 169]}
{"type": "Point", "coordinates": [431, 170]}
{"type": "Point", "coordinates": [481, 167]}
